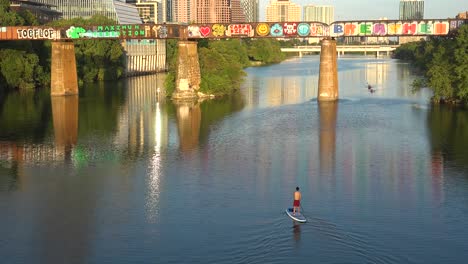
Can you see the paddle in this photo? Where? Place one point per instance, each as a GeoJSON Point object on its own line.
{"type": "Point", "coordinates": [302, 212]}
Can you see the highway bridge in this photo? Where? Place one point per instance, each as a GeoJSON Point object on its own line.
{"type": "Point", "coordinates": [342, 49]}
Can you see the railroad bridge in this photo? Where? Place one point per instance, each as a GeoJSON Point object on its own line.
{"type": "Point", "coordinates": [63, 68]}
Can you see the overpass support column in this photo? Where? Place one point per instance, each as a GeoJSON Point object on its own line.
{"type": "Point", "coordinates": [188, 76]}
{"type": "Point", "coordinates": [328, 75]}
{"type": "Point", "coordinates": [64, 80]}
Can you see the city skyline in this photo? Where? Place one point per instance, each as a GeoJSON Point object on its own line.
{"type": "Point", "coordinates": [375, 9]}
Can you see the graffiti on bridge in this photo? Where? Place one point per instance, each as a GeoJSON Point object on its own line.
{"type": "Point", "coordinates": [142, 31]}
{"type": "Point", "coordinates": [369, 28]}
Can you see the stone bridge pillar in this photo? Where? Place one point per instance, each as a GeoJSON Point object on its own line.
{"type": "Point", "coordinates": [188, 76]}
{"type": "Point", "coordinates": [64, 80]}
{"type": "Point", "coordinates": [328, 76]}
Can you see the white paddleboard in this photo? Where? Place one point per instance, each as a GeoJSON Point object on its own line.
{"type": "Point", "coordinates": [297, 217]}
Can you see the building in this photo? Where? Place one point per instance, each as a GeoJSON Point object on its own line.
{"type": "Point", "coordinates": [207, 11]}
{"type": "Point", "coordinates": [283, 11]}
{"type": "Point", "coordinates": [323, 13]}
{"type": "Point", "coordinates": [212, 11]}
{"type": "Point", "coordinates": [42, 11]}
{"type": "Point", "coordinates": [251, 10]}
{"type": "Point", "coordinates": [237, 12]}
{"type": "Point", "coordinates": [169, 10]}
{"type": "Point", "coordinates": [150, 11]}
{"type": "Point", "coordinates": [181, 10]}
{"type": "Point", "coordinates": [411, 9]}
{"type": "Point", "coordinates": [119, 11]}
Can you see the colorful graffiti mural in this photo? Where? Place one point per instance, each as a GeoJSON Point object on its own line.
{"type": "Point", "coordinates": [238, 30]}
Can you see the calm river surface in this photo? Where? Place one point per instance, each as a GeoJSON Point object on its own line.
{"type": "Point", "coordinates": [120, 175]}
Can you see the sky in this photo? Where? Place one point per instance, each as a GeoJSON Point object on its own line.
{"type": "Point", "coordinates": [375, 9]}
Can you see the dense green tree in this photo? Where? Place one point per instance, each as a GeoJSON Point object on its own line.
{"type": "Point", "coordinates": [461, 62]}
{"type": "Point", "coordinates": [266, 51]}
{"type": "Point", "coordinates": [20, 69]}
{"type": "Point", "coordinates": [444, 62]}
{"type": "Point", "coordinates": [171, 55]}
{"type": "Point", "coordinates": [20, 63]}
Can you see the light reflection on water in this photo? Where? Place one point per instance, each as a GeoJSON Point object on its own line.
{"type": "Point", "coordinates": [124, 175]}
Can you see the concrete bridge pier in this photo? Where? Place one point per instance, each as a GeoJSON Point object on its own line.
{"type": "Point", "coordinates": [64, 80]}
{"type": "Point", "coordinates": [328, 74]}
{"type": "Point", "coordinates": [188, 76]}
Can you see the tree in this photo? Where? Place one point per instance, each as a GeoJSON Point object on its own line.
{"type": "Point", "coordinates": [444, 60]}
{"type": "Point", "coordinates": [20, 66]}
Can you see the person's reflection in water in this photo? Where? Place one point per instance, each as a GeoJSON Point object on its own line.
{"type": "Point", "coordinates": [296, 232]}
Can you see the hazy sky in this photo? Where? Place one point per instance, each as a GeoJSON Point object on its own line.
{"type": "Point", "coordinates": [374, 9]}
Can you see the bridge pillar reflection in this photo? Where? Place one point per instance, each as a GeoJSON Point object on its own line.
{"type": "Point", "coordinates": [64, 80]}
{"type": "Point", "coordinates": [65, 118]}
{"type": "Point", "coordinates": [328, 74]}
{"type": "Point", "coordinates": [188, 76]}
{"type": "Point", "coordinates": [188, 123]}
{"type": "Point", "coordinates": [327, 143]}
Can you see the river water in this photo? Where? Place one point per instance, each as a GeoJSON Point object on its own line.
{"type": "Point", "coordinates": [120, 175]}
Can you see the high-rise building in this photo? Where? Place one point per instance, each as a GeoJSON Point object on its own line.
{"type": "Point", "coordinates": [237, 12]}
{"type": "Point", "coordinates": [324, 14]}
{"type": "Point", "coordinates": [152, 11]}
{"type": "Point", "coordinates": [411, 9]}
{"type": "Point", "coordinates": [181, 10]}
{"type": "Point", "coordinates": [283, 11]}
{"type": "Point", "coordinates": [169, 10]}
{"type": "Point", "coordinates": [207, 11]}
{"type": "Point", "coordinates": [250, 8]}
{"type": "Point", "coordinates": [119, 11]}
{"type": "Point", "coordinates": [212, 11]}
